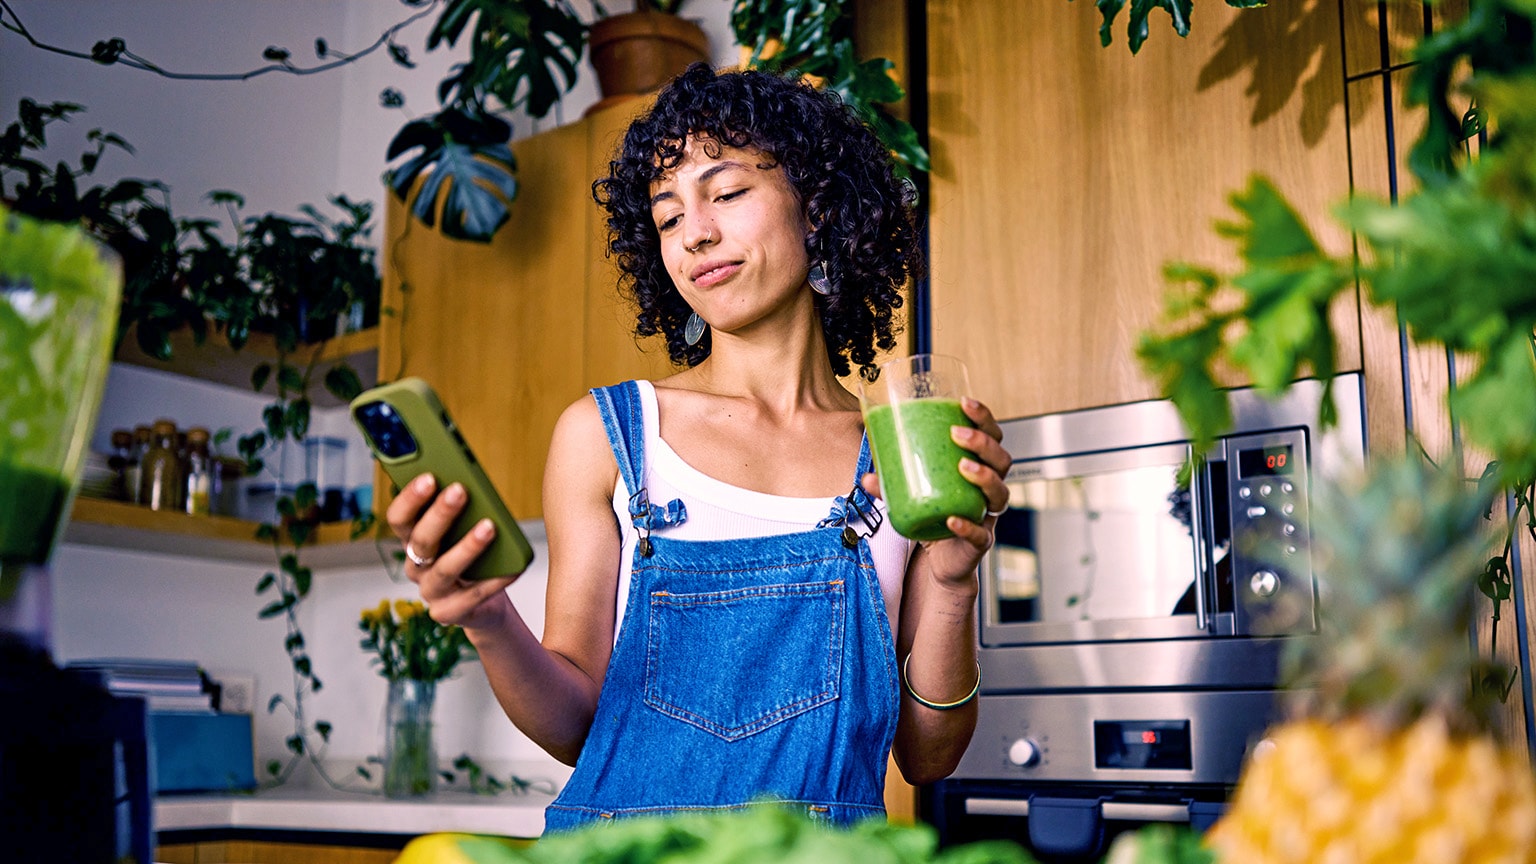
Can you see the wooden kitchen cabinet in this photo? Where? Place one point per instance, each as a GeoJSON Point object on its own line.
{"type": "Point", "coordinates": [512, 331]}
{"type": "Point", "coordinates": [1066, 174]}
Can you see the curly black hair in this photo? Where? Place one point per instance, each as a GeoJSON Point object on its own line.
{"type": "Point", "coordinates": [863, 225]}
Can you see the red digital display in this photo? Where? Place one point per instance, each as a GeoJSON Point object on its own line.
{"type": "Point", "coordinates": [1148, 736]}
{"type": "Point", "coordinates": [1264, 462]}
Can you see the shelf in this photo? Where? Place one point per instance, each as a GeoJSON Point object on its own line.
{"type": "Point", "coordinates": [129, 527]}
{"type": "Point", "coordinates": [215, 361]}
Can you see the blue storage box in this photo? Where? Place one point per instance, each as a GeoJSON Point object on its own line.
{"type": "Point", "coordinates": [202, 752]}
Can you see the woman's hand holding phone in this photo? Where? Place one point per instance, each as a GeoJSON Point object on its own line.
{"type": "Point", "coordinates": [421, 516]}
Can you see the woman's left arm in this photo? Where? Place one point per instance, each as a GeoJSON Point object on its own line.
{"type": "Point", "coordinates": [936, 641]}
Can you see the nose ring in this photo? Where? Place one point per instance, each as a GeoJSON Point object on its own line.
{"type": "Point", "coordinates": [708, 238]}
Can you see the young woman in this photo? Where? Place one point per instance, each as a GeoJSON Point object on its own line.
{"type": "Point", "coordinates": [727, 616]}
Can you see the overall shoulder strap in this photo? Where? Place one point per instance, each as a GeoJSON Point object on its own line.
{"type": "Point", "coordinates": [856, 512]}
{"type": "Point", "coordinates": [624, 424]}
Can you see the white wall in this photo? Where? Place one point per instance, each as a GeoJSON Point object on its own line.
{"type": "Point", "coordinates": [282, 141]}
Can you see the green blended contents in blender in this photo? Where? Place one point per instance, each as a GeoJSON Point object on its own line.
{"type": "Point", "coordinates": [59, 293]}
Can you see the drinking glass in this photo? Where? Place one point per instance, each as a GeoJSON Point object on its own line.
{"type": "Point", "coordinates": [908, 413]}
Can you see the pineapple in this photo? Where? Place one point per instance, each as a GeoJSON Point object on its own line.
{"type": "Point", "coordinates": [1390, 756]}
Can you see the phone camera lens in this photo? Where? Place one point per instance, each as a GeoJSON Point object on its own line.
{"type": "Point", "coordinates": [387, 431]}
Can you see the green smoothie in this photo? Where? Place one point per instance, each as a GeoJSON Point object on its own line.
{"type": "Point", "coordinates": [31, 505]}
{"type": "Point", "coordinates": [919, 466]}
{"type": "Point", "coordinates": [59, 293]}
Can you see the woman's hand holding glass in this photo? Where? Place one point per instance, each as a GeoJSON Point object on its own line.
{"type": "Point", "coordinates": [955, 558]}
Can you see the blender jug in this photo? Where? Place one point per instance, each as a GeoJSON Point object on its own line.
{"type": "Point", "coordinates": [74, 782]}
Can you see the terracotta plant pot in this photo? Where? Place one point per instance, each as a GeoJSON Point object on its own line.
{"type": "Point", "coordinates": [637, 52]}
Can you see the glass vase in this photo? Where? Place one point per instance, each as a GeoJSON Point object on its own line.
{"type": "Point", "coordinates": [410, 755]}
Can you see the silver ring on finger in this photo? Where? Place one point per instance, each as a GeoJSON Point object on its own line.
{"type": "Point", "coordinates": [996, 513]}
{"type": "Point", "coordinates": [419, 561]}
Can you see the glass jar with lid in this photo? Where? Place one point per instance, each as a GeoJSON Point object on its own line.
{"type": "Point", "coordinates": [160, 470]}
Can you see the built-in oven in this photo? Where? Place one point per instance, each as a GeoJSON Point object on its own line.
{"type": "Point", "coordinates": [1133, 611]}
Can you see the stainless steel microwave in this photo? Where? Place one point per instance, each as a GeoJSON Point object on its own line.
{"type": "Point", "coordinates": [1111, 537]}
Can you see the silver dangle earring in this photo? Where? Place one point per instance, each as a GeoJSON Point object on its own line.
{"type": "Point", "coordinates": [821, 283]}
{"type": "Point", "coordinates": [693, 331]}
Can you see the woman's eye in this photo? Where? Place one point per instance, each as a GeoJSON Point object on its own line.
{"type": "Point", "coordinates": [668, 224]}
{"type": "Point", "coordinates": [727, 196]}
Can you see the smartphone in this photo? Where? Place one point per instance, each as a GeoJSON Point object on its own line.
{"type": "Point", "coordinates": [410, 433]}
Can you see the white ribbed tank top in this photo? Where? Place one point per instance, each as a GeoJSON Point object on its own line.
{"type": "Point", "coordinates": [720, 511]}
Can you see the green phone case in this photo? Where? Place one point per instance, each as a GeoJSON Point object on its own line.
{"type": "Point", "coordinates": [441, 450]}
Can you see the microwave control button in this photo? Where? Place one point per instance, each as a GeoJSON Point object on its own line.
{"type": "Point", "coordinates": [1024, 752]}
{"type": "Point", "coordinates": [1265, 490]}
{"type": "Point", "coordinates": [1287, 488]}
{"type": "Point", "coordinates": [1290, 550]}
{"type": "Point", "coordinates": [1289, 529]}
{"type": "Point", "coordinates": [1257, 511]}
{"type": "Point", "coordinates": [1244, 491]}
{"type": "Point", "coordinates": [1288, 508]}
{"type": "Point", "coordinates": [1264, 583]}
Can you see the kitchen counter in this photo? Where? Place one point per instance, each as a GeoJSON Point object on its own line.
{"type": "Point", "coordinates": [295, 807]}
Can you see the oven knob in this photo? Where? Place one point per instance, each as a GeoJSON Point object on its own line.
{"type": "Point", "coordinates": [1264, 583]}
{"type": "Point", "coordinates": [1024, 752]}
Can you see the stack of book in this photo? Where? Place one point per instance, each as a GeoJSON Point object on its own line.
{"type": "Point", "coordinates": [165, 685]}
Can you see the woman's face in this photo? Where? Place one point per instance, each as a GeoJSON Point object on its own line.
{"type": "Point", "coordinates": [732, 235]}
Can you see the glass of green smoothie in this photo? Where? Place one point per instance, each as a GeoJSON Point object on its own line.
{"type": "Point", "coordinates": [908, 412]}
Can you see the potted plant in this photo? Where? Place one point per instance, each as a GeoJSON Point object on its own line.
{"type": "Point", "coordinates": [1392, 680]}
{"type": "Point", "coordinates": [527, 53]}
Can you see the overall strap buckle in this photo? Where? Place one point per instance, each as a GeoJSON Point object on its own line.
{"type": "Point", "coordinates": [647, 516]}
{"type": "Point", "coordinates": [854, 511]}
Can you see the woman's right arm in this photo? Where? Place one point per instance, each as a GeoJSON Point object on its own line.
{"type": "Point", "coordinates": [548, 689]}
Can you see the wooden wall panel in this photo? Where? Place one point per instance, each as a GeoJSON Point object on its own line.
{"type": "Point", "coordinates": [1066, 175]}
{"type": "Point", "coordinates": [612, 353]}
{"type": "Point", "coordinates": [499, 328]}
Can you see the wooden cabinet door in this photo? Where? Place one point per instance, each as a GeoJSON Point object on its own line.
{"type": "Point", "coordinates": [1066, 174]}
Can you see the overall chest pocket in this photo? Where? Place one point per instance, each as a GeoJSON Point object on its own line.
{"type": "Point", "coordinates": [736, 662]}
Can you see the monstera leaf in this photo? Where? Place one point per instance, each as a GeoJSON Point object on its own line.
{"type": "Point", "coordinates": [1136, 27]}
{"type": "Point", "coordinates": [517, 47]}
{"type": "Point", "coordinates": [468, 157]}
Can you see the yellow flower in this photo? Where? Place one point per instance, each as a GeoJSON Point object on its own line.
{"type": "Point", "coordinates": [407, 643]}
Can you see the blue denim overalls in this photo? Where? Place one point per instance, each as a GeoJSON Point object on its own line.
{"type": "Point", "coordinates": [743, 669]}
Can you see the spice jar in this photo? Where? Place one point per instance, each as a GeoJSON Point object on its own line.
{"type": "Point", "coordinates": [160, 485]}
{"type": "Point", "coordinates": [198, 497]}
{"type": "Point", "coordinates": [124, 463]}
{"type": "Point", "coordinates": [143, 437]}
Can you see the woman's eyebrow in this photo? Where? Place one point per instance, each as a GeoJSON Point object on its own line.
{"type": "Point", "coordinates": [703, 179]}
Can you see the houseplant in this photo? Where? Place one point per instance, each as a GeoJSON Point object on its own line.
{"type": "Point", "coordinates": [814, 38]}
{"type": "Point", "coordinates": [201, 276]}
{"type": "Point", "coordinates": [527, 53]}
{"type": "Point", "coordinates": [1394, 723]}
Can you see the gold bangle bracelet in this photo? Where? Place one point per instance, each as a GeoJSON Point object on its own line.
{"type": "Point", "coordinates": [939, 706]}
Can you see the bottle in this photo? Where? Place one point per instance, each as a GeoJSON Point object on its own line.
{"type": "Point", "coordinates": [198, 498]}
{"type": "Point", "coordinates": [124, 463]}
{"type": "Point", "coordinates": [160, 482]}
{"type": "Point", "coordinates": [142, 438]}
